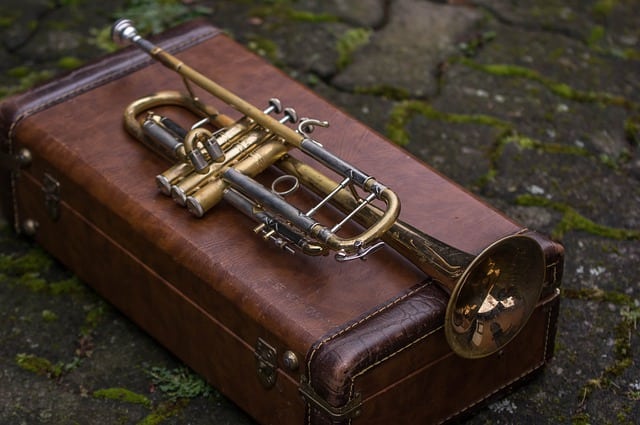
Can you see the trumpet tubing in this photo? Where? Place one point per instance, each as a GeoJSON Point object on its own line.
{"type": "Point", "coordinates": [492, 294]}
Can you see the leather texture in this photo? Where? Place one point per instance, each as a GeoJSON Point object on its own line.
{"type": "Point", "coordinates": [99, 72]}
{"type": "Point", "coordinates": [208, 289]}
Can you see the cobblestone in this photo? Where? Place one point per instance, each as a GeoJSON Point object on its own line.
{"type": "Point", "coordinates": [533, 106]}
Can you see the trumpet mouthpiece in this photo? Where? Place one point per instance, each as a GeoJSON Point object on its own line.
{"type": "Point", "coordinates": [123, 32]}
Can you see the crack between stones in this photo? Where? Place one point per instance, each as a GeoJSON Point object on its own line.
{"type": "Point", "coordinates": [39, 17]}
{"type": "Point", "coordinates": [531, 27]}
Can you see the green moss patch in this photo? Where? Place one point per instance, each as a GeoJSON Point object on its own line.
{"type": "Point", "coordinates": [164, 411]}
{"type": "Point", "coordinates": [283, 10]}
{"type": "Point", "coordinates": [349, 42]}
{"type": "Point", "coordinates": [558, 88]}
{"type": "Point", "coordinates": [265, 48]}
{"type": "Point", "coordinates": [33, 261]}
{"type": "Point", "coordinates": [70, 62]}
{"type": "Point", "coordinates": [93, 318]}
{"type": "Point", "coordinates": [626, 327]}
{"type": "Point", "coordinates": [39, 365]}
{"type": "Point", "coordinates": [572, 220]}
{"type": "Point", "coordinates": [404, 111]}
{"type": "Point", "coordinates": [179, 383]}
{"type": "Point", "coordinates": [123, 394]}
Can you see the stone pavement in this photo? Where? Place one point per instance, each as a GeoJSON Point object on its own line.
{"type": "Point", "coordinates": [532, 105]}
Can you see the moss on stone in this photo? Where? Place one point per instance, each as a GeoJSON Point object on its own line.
{"type": "Point", "coordinates": [6, 19]}
{"type": "Point", "coordinates": [632, 129]}
{"type": "Point", "coordinates": [33, 282]}
{"type": "Point", "coordinates": [164, 411]}
{"type": "Point", "coordinates": [626, 327]}
{"type": "Point", "coordinates": [179, 383]}
{"type": "Point", "coordinates": [265, 48]}
{"type": "Point", "coordinates": [305, 16]}
{"type": "Point", "coordinates": [67, 286]}
{"type": "Point", "coordinates": [603, 8]}
{"type": "Point", "coordinates": [49, 316]}
{"type": "Point", "coordinates": [69, 62]}
{"type": "Point", "coordinates": [349, 42]}
{"type": "Point", "coordinates": [155, 16]}
{"type": "Point", "coordinates": [30, 79]}
{"type": "Point", "coordinates": [387, 92]}
{"type": "Point", "coordinates": [39, 365]}
{"type": "Point", "coordinates": [94, 316]}
{"type": "Point", "coordinates": [123, 394]}
{"type": "Point", "coordinates": [525, 142]}
{"type": "Point", "coordinates": [597, 294]}
{"type": "Point", "coordinates": [404, 111]}
{"type": "Point", "coordinates": [572, 220]}
{"type": "Point", "coordinates": [623, 358]}
{"type": "Point", "coordinates": [33, 261]}
{"type": "Point", "coordinates": [284, 11]}
{"type": "Point", "coordinates": [596, 34]}
{"type": "Point", "coordinates": [558, 88]}
{"type": "Point", "coordinates": [101, 38]}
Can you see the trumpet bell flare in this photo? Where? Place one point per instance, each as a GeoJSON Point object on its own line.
{"type": "Point", "coordinates": [495, 296]}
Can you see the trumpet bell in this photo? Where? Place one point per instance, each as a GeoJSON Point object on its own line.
{"type": "Point", "coordinates": [495, 296]}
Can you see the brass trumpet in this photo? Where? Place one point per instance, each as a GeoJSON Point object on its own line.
{"type": "Point", "coordinates": [492, 294]}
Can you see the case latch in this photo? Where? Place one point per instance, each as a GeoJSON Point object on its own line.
{"type": "Point", "coordinates": [350, 410]}
{"type": "Point", "coordinates": [267, 363]}
{"type": "Point", "coordinates": [51, 190]}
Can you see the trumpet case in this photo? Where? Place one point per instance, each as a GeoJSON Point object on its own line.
{"type": "Point", "coordinates": [290, 339]}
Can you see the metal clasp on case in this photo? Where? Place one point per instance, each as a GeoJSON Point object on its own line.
{"type": "Point", "coordinates": [349, 411]}
{"type": "Point", "coordinates": [267, 363]}
{"type": "Point", "coordinates": [51, 190]}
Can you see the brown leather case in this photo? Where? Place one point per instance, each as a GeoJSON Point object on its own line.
{"type": "Point", "coordinates": [368, 335]}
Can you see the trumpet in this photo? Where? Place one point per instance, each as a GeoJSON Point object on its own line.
{"type": "Point", "coordinates": [492, 295]}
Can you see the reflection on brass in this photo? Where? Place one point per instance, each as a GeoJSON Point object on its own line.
{"type": "Point", "coordinates": [492, 294]}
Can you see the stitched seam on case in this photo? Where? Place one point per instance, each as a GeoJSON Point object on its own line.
{"type": "Point", "coordinates": [517, 378]}
{"type": "Point", "coordinates": [359, 322]}
{"type": "Point", "coordinates": [387, 357]}
{"type": "Point", "coordinates": [108, 77]}
{"type": "Point", "coordinates": [426, 283]}
{"type": "Point", "coordinates": [553, 268]}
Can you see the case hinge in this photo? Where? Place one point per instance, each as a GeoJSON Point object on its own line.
{"type": "Point", "coordinates": [349, 411]}
{"type": "Point", "coordinates": [267, 363]}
